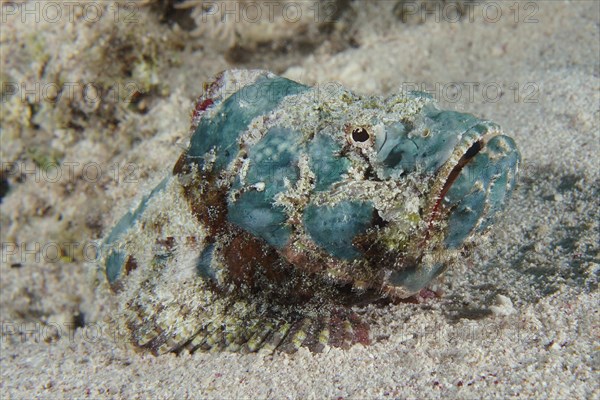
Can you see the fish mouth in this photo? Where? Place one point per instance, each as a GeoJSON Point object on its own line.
{"type": "Point", "coordinates": [465, 197]}
{"type": "Point", "coordinates": [427, 261]}
{"type": "Point", "coordinates": [436, 211]}
{"type": "Point", "coordinates": [472, 189]}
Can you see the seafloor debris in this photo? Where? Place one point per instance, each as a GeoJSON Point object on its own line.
{"type": "Point", "coordinates": [293, 204]}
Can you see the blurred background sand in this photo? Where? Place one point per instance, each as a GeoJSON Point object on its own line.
{"type": "Point", "coordinates": [101, 93]}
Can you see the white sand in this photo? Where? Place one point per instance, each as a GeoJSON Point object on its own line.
{"type": "Point", "coordinates": [519, 319]}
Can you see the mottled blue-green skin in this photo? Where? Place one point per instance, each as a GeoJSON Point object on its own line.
{"type": "Point", "coordinates": [333, 228]}
{"type": "Point", "coordinates": [254, 211]}
{"type": "Point", "coordinates": [116, 258]}
{"type": "Point", "coordinates": [222, 131]}
{"type": "Point", "coordinates": [220, 134]}
{"type": "Point", "coordinates": [469, 201]}
{"type": "Point", "coordinates": [399, 152]}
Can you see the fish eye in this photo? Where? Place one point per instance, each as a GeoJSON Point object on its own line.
{"type": "Point", "coordinates": [357, 135]}
{"type": "Point", "coordinates": [360, 135]}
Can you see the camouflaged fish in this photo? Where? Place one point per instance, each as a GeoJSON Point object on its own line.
{"type": "Point", "coordinates": [292, 205]}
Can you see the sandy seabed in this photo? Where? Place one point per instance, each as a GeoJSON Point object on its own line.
{"type": "Point", "coordinates": [519, 319]}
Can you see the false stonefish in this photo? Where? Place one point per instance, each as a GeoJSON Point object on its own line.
{"type": "Point", "coordinates": [292, 206]}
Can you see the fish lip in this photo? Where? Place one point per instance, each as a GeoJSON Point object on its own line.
{"type": "Point", "coordinates": [472, 143]}
{"type": "Point", "coordinates": [412, 278]}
